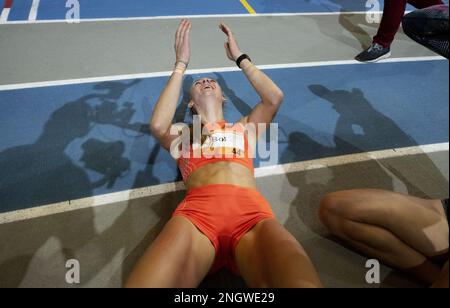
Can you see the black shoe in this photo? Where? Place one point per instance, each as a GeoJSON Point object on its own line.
{"type": "Point", "coordinates": [374, 53]}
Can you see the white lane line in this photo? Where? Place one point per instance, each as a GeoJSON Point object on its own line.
{"type": "Point", "coordinates": [125, 196]}
{"type": "Point", "coordinates": [18, 22]}
{"type": "Point", "coordinates": [4, 16]}
{"type": "Point", "coordinates": [5, 11]}
{"type": "Point", "coordinates": [20, 86]}
{"type": "Point", "coordinates": [33, 11]}
{"type": "Point", "coordinates": [349, 159]}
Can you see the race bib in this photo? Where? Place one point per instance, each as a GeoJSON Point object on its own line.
{"type": "Point", "coordinates": [224, 144]}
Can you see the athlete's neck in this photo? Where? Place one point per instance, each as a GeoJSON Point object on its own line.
{"type": "Point", "coordinates": [212, 115]}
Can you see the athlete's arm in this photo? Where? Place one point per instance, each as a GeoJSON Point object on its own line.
{"type": "Point", "coordinates": [166, 105]}
{"type": "Point", "coordinates": [270, 94]}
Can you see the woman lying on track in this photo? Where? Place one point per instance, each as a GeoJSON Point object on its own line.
{"type": "Point", "coordinates": [223, 221]}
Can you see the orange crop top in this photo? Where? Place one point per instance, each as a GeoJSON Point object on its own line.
{"type": "Point", "coordinates": [223, 143]}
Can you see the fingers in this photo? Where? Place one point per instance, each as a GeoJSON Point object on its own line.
{"type": "Point", "coordinates": [184, 35]}
{"type": "Point", "coordinates": [222, 27]}
{"type": "Point", "coordinates": [177, 34]}
{"type": "Point", "coordinates": [181, 31]}
{"type": "Point", "coordinates": [225, 29]}
{"type": "Point", "coordinates": [187, 32]}
{"type": "Point", "coordinates": [227, 48]}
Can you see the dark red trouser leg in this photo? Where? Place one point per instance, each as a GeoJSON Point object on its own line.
{"type": "Point", "coordinates": [392, 17]}
{"type": "Point", "coordinates": [8, 4]}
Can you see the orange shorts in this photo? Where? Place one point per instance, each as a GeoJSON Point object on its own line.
{"type": "Point", "coordinates": [224, 213]}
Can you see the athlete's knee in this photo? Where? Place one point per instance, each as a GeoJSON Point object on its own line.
{"type": "Point", "coordinates": [330, 208]}
{"type": "Point", "coordinates": [340, 209]}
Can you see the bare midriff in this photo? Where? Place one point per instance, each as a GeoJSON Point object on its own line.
{"type": "Point", "coordinates": [229, 173]}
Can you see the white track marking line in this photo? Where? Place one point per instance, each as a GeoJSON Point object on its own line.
{"type": "Point", "coordinates": [124, 196]}
{"type": "Point", "coordinates": [5, 11]}
{"type": "Point", "coordinates": [33, 11]}
{"type": "Point", "coordinates": [20, 86]}
{"type": "Point", "coordinates": [194, 17]}
{"type": "Point", "coordinates": [4, 16]}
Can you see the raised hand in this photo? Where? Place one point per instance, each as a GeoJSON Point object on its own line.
{"type": "Point", "coordinates": [182, 44]}
{"type": "Point", "coordinates": [231, 46]}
